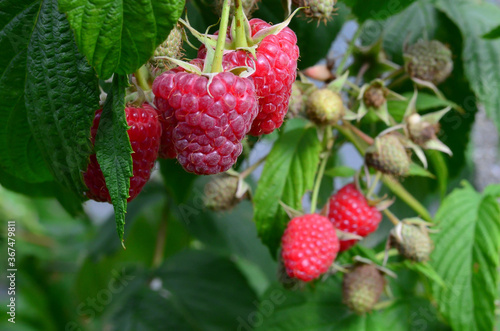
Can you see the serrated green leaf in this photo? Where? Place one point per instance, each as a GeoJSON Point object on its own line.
{"type": "Point", "coordinates": [120, 35]}
{"type": "Point", "coordinates": [145, 310]}
{"type": "Point", "coordinates": [113, 150]}
{"type": "Point", "coordinates": [480, 56]}
{"type": "Point", "coordinates": [493, 34]}
{"type": "Point", "coordinates": [417, 21]}
{"type": "Point", "coordinates": [209, 290]}
{"type": "Point", "coordinates": [287, 175]}
{"type": "Point", "coordinates": [321, 309]}
{"type": "Point", "coordinates": [19, 154]}
{"type": "Point", "coordinates": [62, 95]}
{"type": "Point", "coordinates": [340, 171]}
{"type": "Point", "coordinates": [466, 257]}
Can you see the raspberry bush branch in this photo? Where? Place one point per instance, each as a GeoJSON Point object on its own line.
{"type": "Point", "coordinates": [327, 149]}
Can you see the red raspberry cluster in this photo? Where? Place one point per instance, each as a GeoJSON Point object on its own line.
{"type": "Point", "coordinates": [310, 243]}
{"type": "Point", "coordinates": [205, 120]}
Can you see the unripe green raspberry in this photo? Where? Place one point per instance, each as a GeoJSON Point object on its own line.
{"type": "Point", "coordinates": [220, 192]}
{"type": "Point", "coordinates": [388, 155]}
{"type": "Point", "coordinates": [325, 107]}
{"type": "Point", "coordinates": [374, 97]}
{"type": "Point", "coordinates": [318, 9]}
{"type": "Point", "coordinates": [362, 288]}
{"type": "Point", "coordinates": [296, 105]}
{"type": "Point", "coordinates": [428, 60]}
{"type": "Point", "coordinates": [171, 47]}
{"type": "Point", "coordinates": [412, 241]}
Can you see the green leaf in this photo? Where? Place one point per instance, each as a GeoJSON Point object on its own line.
{"type": "Point", "coordinates": [416, 170]}
{"type": "Point", "coordinates": [425, 269]}
{"type": "Point", "coordinates": [438, 164]}
{"type": "Point", "coordinates": [19, 154]}
{"type": "Point", "coordinates": [321, 309]}
{"type": "Point", "coordinates": [62, 95]}
{"type": "Point", "coordinates": [178, 181]}
{"type": "Point", "coordinates": [113, 150]}
{"type": "Point", "coordinates": [146, 310]}
{"type": "Point", "coordinates": [493, 34]}
{"type": "Point", "coordinates": [377, 10]}
{"type": "Point", "coordinates": [416, 21]}
{"type": "Point", "coordinates": [120, 35]}
{"type": "Point", "coordinates": [480, 56]}
{"type": "Point", "coordinates": [209, 291]}
{"type": "Point", "coordinates": [340, 171]}
{"type": "Point", "coordinates": [287, 175]}
{"type": "Point", "coordinates": [466, 257]}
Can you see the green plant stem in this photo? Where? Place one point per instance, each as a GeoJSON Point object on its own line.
{"type": "Point", "coordinates": [406, 196]}
{"type": "Point", "coordinates": [327, 146]}
{"type": "Point", "coordinates": [239, 15]}
{"type": "Point", "coordinates": [161, 236]}
{"type": "Point", "coordinates": [366, 138]}
{"type": "Point", "coordinates": [245, 173]}
{"type": "Point", "coordinates": [349, 51]}
{"type": "Point", "coordinates": [378, 175]}
{"type": "Point", "coordinates": [391, 216]}
{"type": "Point", "coordinates": [394, 73]}
{"type": "Point", "coordinates": [221, 40]}
{"type": "Point", "coordinates": [398, 81]}
{"type": "Point", "coordinates": [358, 143]}
{"type": "Point", "coordinates": [142, 78]}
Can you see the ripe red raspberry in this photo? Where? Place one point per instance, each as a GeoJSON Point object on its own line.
{"type": "Point", "coordinates": [210, 120]}
{"type": "Point", "coordinates": [309, 246]}
{"type": "Point", "coordinates": [144, 134]}
{"type": "Point", "coordinates": [167, 117]}
{"type": "Point", "coordinates": [349, 212]}
{"type": "Point", "coordinates": [275, 72]}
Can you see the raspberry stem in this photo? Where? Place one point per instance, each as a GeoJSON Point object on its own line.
{"type": "Point", "coordinates": [221, 40]}
{"type": "Point", "coordinates": [161, 236]}
{"type": "Point", "coordinates": [245, 173]}
{"type": "Point", "coordinates": [378, 175]}
{"type": "Point", "coordinates": [391, 216]}
{"type": "Point", "coordinates": [349, 51]}
{"type": "Point", "coordinates": [327, 146]}
{"type": "Point", "coordinates": [239, 15]}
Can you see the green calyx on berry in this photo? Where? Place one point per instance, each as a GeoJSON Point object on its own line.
{"type": "Point", "coordinates": [321, 10]}
{"type": "Point", "coordinates": [240, 35]}
{"type": "Point", "coordinates": [411, 238]}
{"type": "Point", "coordinates": [388, 155]}
{"type": "Point", "coordinates": [325, 107]}
{"type": "Point", "coordinates": [224, 192]}
{"type": "Point", "coordinates": [428, 61]}
{"type": "Point", "coordinates": [422, 130]}
{"type": "Point", "coordinates": [373, 97]}
{"type": "Point", "coordinates": [362, 287]}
